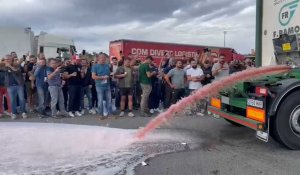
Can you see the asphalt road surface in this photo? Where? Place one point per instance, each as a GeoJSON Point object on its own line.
{"type": "Point", "coordinates": [217, 148]}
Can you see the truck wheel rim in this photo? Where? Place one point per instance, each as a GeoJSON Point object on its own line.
{"type": "Point", "coordinates": [295, 120]}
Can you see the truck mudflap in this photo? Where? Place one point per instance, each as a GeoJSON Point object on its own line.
{"type": "Point", "coordinates": [262, 133]}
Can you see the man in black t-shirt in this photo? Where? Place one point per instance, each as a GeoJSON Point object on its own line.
{"type": "Point", "coordinates": [29, 68]}
{"type": "Point", "coordinates": [74, 76]}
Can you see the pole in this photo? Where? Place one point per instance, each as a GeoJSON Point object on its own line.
{"type": "Point", "coordinates": [259, 32]}
{"type": "Point", "coordinates": [225, 32]}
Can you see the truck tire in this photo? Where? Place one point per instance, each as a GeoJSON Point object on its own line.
{"type": "Point", "coordinates": [233, 123]}
{"type": "Point", "coordinates": [273, 129]}
{"type": "Point", "coordinates": [287, 122]}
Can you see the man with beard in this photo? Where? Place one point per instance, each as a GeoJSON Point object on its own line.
{"type": "Point", "coordinates": [29, 68]}
{"type": "Point", "coordinates": [87, 86]}
{"type": "Point", "coordinates": [176, 79]}
{"type": "Point", "coordinates": [54, 81]}
{"type": "Point", "coordinates": [194, 76]}
{"type": "Point", "coordinates": [208, 77]}
{"type": "Point", "coordinates": [74, 76]}
{"type": "Point", "coordinates": [145, 75]}
{"type": "Point", "coordinates": [14, 81]}
{"type": "Point", "coordinates": [167, 96]}
{"type": "Point", "coordinates": [125, 76]}
{"type": "Point", "coordinates": [220, 69]}
{"type": "Point", "coordinates": [236, 66]}
{"type": "Point", "coordinates": [101, 75]}
{"type": "Point", "coordinates": [114, 83]}
{"type": "Point", "coordinates": [40, 75]}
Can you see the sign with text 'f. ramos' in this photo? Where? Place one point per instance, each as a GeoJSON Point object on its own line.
{"type": "Point", "coordinates": [279, 17]}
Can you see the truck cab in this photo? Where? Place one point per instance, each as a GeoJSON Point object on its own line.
{"type": "Point", "coordinates": [55, 46]}
{"type": "Point", "coordinates": [24, 42]}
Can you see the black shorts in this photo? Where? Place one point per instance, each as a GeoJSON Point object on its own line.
{"type": "Point", "coordinates": [126, 91]}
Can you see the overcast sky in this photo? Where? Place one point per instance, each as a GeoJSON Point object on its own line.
{"type": "Point", "coordinates": [93, 23]}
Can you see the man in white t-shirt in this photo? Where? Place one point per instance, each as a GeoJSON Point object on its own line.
{"type": "Point", "coordinates": [194, 75]}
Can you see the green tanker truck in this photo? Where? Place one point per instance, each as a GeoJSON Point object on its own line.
{"type": "Point", "coordinates": [270, 105]}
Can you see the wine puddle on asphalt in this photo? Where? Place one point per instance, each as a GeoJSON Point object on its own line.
{"type": "Point", "coordinates": [30, 148]}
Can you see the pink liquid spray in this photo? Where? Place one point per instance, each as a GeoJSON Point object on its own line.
{"type": "Point", "coordinates": [210, 90]}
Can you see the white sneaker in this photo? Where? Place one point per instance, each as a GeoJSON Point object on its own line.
{"type": "Point", "coordinates": [6, 113]}
{"type": "Point", "coordinates": [152, 111]}
{"type": "Point", "coordinates": [121, 114]}
{"type": "Point", "coordinates": [130, 114]}
{"type": "Point", "coordinates": [13, 116]}
{"type": "Point", "coordinates": [200, 114]}
{"type": "Point", "coordinates": [158, 110]}
{"type": "Point", "coordinates": [77, 113]}
{"type": "Point", "coordinates": [24, 115]}
{"type": "Point", "coordinates": [71, 114]}
{"type": "Point", "coordinates": [105, 114]}
{"type": "Point", "coordinates": [92, 111]}
{"type": "Point", "coordinates": [82, 112]}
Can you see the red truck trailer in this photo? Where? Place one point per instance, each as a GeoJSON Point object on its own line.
{"type": "Point", "coordinates": [157, 50]}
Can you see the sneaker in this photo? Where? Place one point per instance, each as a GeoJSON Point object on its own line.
{"type": "Point", "coordinates": [158, 110]}
{"type": "Point", "coordinates": [92, 111]}
{"type": "Point", "coordinates": [78, 114]}
{"type": "Point", "coordinates": [200, 114]}
{"type": "Point", "coordinates": [82, 112]}
{"type": "Point", "coordinates": [24, 115]}
{"type": "Point", "coordinates": [105, 115]}
{"type": "Point", "coordinates": [122, 114]}
{"type": "Point", "coordinates": [6, 113]}
{"type": "Point", "coordinates": [1, 115]}
{"type": "Point", "coordinates": [151, 111]}
{"type": "Point", "coordinates": [71, 114]}
{"type": "Point", "coordinates": [130, 114]}
{"type": "Point", "coordinates": [13, 116]}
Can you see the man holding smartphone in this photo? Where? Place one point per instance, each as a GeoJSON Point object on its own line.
{"type": "Point", "coordinates": [145, 75]}
{"type": "Point", "coordinates": [55, 88]}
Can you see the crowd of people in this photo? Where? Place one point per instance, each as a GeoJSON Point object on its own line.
{"type": "Point", "coordinates": [104, 86]}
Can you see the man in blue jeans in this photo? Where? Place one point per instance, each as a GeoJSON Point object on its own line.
{"type": "Point", "coordinates": [101, 75]}
{"type": "Point", "coordinates": [14, 81]}
{"type": "Point", "coordinates": [55, 88]}
{"type": "Point", "coordinates": [87, 86]}
{"type": "Point", "coordinates": [40, 75]}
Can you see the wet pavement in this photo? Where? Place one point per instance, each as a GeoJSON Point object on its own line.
{"type": "Point", "coordinates": [189, 145]}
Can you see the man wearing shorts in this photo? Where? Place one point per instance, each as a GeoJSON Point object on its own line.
{"type": "Point", "coordinates": [125, 76]}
